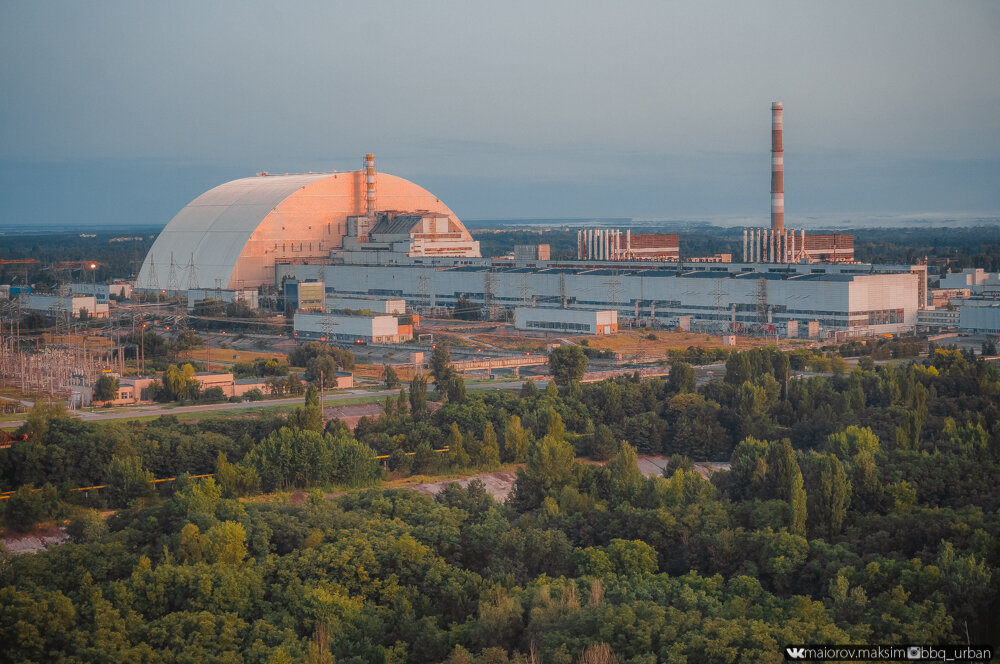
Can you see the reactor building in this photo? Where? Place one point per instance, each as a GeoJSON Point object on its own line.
{"type": "Point", "coordinates": [370, 236]}
{"type": "Point", "coordinates": [232, 236]}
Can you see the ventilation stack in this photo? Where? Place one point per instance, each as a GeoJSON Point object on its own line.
{"type": "Point", "coordinates": [777, 172]}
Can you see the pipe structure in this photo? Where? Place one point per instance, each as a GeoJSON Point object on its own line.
{"type": "Point", "coordinates": [777, 170]}
{"type": "Point", "coordinates": [745, 245]}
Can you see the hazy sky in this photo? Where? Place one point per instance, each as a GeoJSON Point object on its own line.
{"type": "Point", "coordinates": [121, 112]}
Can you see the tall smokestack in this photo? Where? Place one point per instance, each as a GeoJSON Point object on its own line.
{"type": "Point", "coordinates": [777, 172]}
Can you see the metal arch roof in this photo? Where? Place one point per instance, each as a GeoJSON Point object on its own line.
{"type": "Point", "coordinates": [212, 229]}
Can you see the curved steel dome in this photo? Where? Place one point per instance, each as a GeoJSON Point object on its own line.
{"type": "Point", "coordinates": [231, 236]}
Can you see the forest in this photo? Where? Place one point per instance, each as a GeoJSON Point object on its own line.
{"type": "Point", "coordinates": [858, 507]}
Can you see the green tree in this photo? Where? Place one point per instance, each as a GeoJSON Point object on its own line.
{"type": "Point", "coordinates": [87, 526]}
{"type": "Point", "coordinates": [516, 440]}
{"type": "Point", "coordinates": [567, 363]}
{"type": "Point", "coordinates": [179, 383]}
{"type": "Point", "coordinates": [489, 451]}
{"type": "Point", "coordinates": [390, 378]}
{"type": "Point", "coordinates": [440, 361]}
{"type": "Point", "coordinates": [418, 397]}
{"type": "Point", "coordinates": [127, 479]}
{"type": "Point", "coordinates": [186, 339]}
{"type": "Point", "coordinates": [549, 465]}
{"type": "Point", "coordinates": [682, 377]}
{"type": "Point", "coordinates": [799, 505]}
{"type": "Point", "coordinates": [27, 506]}
{"type": "Point", "coordinates": [457, 455]}
{"type": "Point", "coordinates": [604, 443]}
{"type": "Point", "coordinates": [322, 371]}
{"type": "Point", "coordinates": [632, 557]}
{"type": "Point", "coordinates": [829, 493]}
{"type": "Point", "coordinates": [310, 416]}
{"type": "Point", "coordinates": [106, 388]}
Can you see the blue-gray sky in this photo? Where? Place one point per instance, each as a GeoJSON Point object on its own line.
{"type": "Point", "coordinates": [118, 112]}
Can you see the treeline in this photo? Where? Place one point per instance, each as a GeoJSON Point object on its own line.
{"type": "Point", "coordinates": [857, 509]}
{"type": "Point", "coordinates": [120, 254]}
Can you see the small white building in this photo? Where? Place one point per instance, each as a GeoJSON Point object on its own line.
{"type": "Point", "coordinates": [375, 305]}
{"type": "Point", "coordinates": [71, 304]}
{"type": "Point", "coordinates": [248, 295]}
{"type": "Point", "coordinates": [569, 321]}
{"type": "Point", "coordinates": [379, 329]}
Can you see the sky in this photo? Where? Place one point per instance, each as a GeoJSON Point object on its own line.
{"type": "Point", "coordinates": [122, 112]}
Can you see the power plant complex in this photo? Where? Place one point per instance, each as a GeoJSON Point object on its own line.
{"type": "Point", "coordinates": [370, 236]}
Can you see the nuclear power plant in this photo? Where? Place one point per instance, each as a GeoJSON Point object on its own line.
{"type": "Point", "coordinates": [370, 235]}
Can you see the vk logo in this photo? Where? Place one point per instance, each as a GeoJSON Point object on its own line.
{"type": "Point", "coordinates": [796, 653]}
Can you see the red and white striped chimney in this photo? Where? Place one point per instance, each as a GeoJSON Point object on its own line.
{"type": "Point", "coordinates": [777, 172]}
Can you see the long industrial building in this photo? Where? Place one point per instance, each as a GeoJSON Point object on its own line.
{"type": "Point", "coordinates": [854, 298]}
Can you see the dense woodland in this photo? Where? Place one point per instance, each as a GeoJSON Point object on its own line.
{"type": "Point", "coordinates": [859, 508]}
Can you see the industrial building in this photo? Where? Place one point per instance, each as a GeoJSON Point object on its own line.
{"type": "Point", "coordinates": [981, 316]}
{"type": "Point", "coordinates": [72, 305]}
{"type": "Point", "coordinates": [776, 244]}
{"type": "Point", "coordinates": [855, 298]}
{"type": "Point", "coordinates": [347, 328]}
{"type": "Point", "coordinates": [320, 238]}
{"type": "Point", "coordinates": [567, 321]}
{"type": "Point", "coordinates": [975, 280]}
{"type": "Point", "coordinates": [610, 244]}
{"type": "Point", "coordinates": [231, 236]}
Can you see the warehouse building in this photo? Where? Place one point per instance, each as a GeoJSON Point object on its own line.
{"type": "Point", "coordinates": [980, 316]}
{"type": "Point", "coordinates": [853, 298]}
{"type": "Point", "coordinates": [848, 297]}
{"type": "Point", "coordinates": [350, 329]}
{"type": "Point", "coordinates": [569, 321]}
{"type": "Point", "coordinates": [73, 305]}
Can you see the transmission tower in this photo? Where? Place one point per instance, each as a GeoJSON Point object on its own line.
{"type": "Point", "coordinates": [720, 312]}
{"type": "Point", "coordinates": [192, 274]}
{"type": "Point", "coordinates": [525, 288]}
{"type": "Point", "coordinates": [172, 286]}
{"type": "Point", "coordinates": [489, 287]}
{"type": "Point", "coordinates": [424, 286]}
{"type": "Point", "coordinates": [614, 284]}
{"type": "Point", "coordinates": [153, 280]}
{"type": "Point", "coordinates": [761, 297]}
